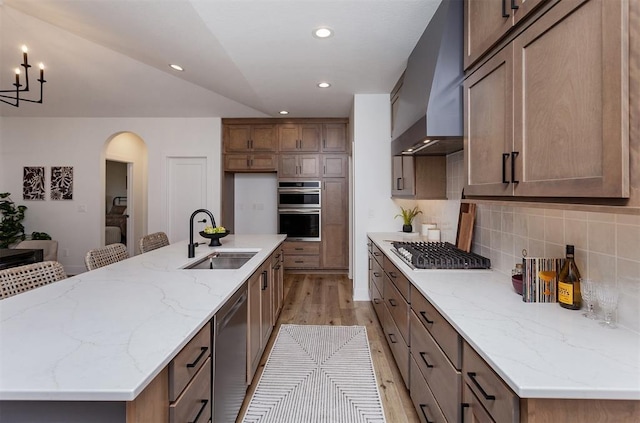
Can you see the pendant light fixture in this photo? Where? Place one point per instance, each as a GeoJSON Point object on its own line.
{"type": "Point", "coordinates": [14, 98]}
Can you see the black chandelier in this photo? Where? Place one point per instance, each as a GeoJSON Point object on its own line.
{"type": "Point", "coordinates": [15, 96]}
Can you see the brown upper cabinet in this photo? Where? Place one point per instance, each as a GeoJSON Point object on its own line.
{"type": "Point", "coordinates": [547, 115]}
{"type": "Point", "coordinates": [334, 138]}
{"type": "Point", "coordinates": [487, 21]}
{"type": "Point", "coordinates": [304, 137]}
{"type": "Point", "coordinates": [250, 138]}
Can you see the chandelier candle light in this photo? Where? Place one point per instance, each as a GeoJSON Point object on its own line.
{"type": "Point", "coordinates": [15, 96]}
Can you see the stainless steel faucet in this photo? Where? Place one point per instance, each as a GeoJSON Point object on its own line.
{"type": "Point", "coordinates": [192, 246]}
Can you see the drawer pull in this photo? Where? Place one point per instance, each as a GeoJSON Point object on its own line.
{"type": "Point", "coordinates": [299, 261]}
{"type": "Point", "coordinates": [392, 302]}
{"type": "Point", "coordinates": [393, 275]}
{"type": "Point", "coordinates": [472, 376]}
{"type": "Point", "coordinates": [299, 248]}
{"type": "Point", "coordinates": [376, 300]}
{"type": "Point", "coordinates": [423, 356]}
{"type": "Point", "coordinates": [424, 413]}
{"type": "Point", "coordinates": [204, 405]}
{"type": "Point", "coordinates": [377, 254]}
{"type": "Point", "coordinates": [392, 338]}
{"type": "Point", "coordinates": [376, 274]}
{"type": "Point", "coordinates": [426, 319]}
{"type": "Point", "coordinates": [203, 351]}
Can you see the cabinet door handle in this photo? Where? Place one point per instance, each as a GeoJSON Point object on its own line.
{"type": "Point", "coordinates": [265, 280]}
{"type": "Point", "coordinates": [426, 319]}
{"type": "Point", "coordinates": [399, 184]}
{"type": "Point", "coordinates": [423, 356]}
{"type": "Point", "coordinates": [203, 351]}
{"type": "Point", "coordinates": [514, 6]}
{"type": "Point", "coordinates": [504, 9]}
{"type": "Point", "coordinates": [505, 157]}
{"type": "Point", "coordinates": [248, 163]}
{"type": "Point", "coordinates": [251, 144]}
{"type": "Point", "coordinates": [324, 143]}
{"type": "Point", "coordinates": [248, 144]}
{"type": "Point", "coordinates": [204, 405]}
{"type": "Point", "coordinates": [472, 376]}
{"type": "Point", "coordinates": [422, 407]}
{"type": "Point", "coordinates": [392, 338]}
{"type": "Point", "coordinates": [514, 154]}
{"type": "Point", "coordinates": [393, 302]}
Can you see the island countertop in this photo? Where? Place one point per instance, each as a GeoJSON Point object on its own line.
{"type": "Point", "coordinates": [539, 350]}
{"type": "Point", "coordinates": [104, 335]}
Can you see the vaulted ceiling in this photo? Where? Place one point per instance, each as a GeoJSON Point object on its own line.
{"type": "Point", "coordinates": [242, 58]}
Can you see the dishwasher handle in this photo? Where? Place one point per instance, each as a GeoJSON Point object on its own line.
{"type": "Point", "coordinates": [229, 314]}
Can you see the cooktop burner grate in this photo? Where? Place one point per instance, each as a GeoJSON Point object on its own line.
{"type": "Point", "coordinates": [438, 255]}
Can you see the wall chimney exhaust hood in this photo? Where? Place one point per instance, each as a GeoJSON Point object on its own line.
{"type": "Point", "coordinates": [429, 119]}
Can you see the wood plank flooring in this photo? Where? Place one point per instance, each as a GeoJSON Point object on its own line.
{"type": "Point", "coordinates": [324, 299]}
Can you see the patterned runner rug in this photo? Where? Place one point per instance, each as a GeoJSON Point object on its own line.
{"type": "Point", "coordinates": [317, 374]}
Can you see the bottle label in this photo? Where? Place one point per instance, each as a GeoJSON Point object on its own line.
{"type": "Point", "coordinates": [565, 293]}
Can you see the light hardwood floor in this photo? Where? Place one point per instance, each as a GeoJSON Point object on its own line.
{"type": "Point", "coordinates": [323, 299]}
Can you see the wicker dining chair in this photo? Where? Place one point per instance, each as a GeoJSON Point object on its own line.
{"type": "Point", "coordinates": [15, 280]}
{"type": "Point", "coordinates": [100, 257]}
{"type": "Point", "coordinates": [153, 241]}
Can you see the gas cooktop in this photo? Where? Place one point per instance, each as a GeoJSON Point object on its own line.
{"type": "Point", "coordinates": [438, 255]}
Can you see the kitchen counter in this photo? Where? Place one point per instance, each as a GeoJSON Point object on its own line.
{"type": "Point", "coordinates": [104, 335]}
{"type": "Point", "coordinates": [539, 350]}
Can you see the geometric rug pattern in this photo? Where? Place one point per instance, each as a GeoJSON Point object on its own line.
{"type": "Point", "coordinates": [317, 374]}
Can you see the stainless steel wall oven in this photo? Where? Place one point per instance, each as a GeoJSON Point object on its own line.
{"type": "Point", "coordinates": [299, 210]}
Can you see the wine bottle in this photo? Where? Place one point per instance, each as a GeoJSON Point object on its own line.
{"type": "Point", "coordinates": [569, 283]}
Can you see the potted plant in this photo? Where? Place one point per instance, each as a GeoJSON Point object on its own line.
{"type": "Point", "coordinates": [11, 227]}
{"type": "Point", "coordinates": [407, 218]}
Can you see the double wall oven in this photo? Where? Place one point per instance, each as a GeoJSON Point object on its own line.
{"type": "Point", "coordinates": [299, 210]}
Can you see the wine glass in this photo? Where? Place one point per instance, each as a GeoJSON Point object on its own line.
{"type": "Point", "coordinates": [608, 302]}
{"type": "Point", "coordinates": [588, 291]}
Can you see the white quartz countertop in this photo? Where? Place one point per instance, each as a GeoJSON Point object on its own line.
{"type": "Point", "coordinates": [104, 335]}
{"type": "Point", "coordinates": [539, 350]}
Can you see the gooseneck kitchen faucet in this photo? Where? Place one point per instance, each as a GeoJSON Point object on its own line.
{"type": "Point", "coordinates": [192, 246]}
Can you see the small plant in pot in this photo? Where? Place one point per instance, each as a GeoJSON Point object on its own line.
{"type": "Point", "coordinates": [11, 227]}
{"type": "Point", "coordinates": [407, 216]}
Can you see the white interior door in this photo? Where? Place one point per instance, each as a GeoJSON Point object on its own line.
{"type": "Point", "coordinates": [187, 192]}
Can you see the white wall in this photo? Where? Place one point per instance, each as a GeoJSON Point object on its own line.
{"type": "Point", "coordinates": [373, 209]}
{"type": "Point", "coordinates": [81, 143]}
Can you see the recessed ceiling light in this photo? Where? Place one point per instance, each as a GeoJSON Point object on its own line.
{"type": "Point", "coordinates": [176, 67]}
{"type": "Point", "coordinates": [324, 85]}
{"type": "Point", "coordinates": [284, 112]}
{"type": "Point", "coordinates": [322, 32]}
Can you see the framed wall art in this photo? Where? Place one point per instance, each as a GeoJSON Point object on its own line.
{"type": "Point", "coordinates": [62, 182]}
{"type": "Point", "coordinates": [33, 183]}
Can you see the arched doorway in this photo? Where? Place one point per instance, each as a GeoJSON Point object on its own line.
{"type": "Point", "coordinates": [125, 218]}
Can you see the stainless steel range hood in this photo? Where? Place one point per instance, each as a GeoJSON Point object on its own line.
{"type": "Point", "coordinates": [428, 120]}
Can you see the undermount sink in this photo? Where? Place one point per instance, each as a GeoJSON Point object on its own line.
{"type": "Point", "coordinates": [223, 260]}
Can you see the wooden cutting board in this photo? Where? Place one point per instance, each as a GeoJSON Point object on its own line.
{"type": "Point", "coordinates": [466, 221]}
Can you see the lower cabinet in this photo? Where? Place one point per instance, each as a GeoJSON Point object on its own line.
{"type": "Point", "coordinates": [190, 380]}
{"type": "Point", "coordinates": [301, 254]}
{"type": "Point", "coordinates": [422, 397]}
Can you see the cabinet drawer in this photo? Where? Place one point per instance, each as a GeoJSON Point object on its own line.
{"type": "Point", "coordinates": [195, 402]}
{"type": "Point", "coordinates": [301, 248]}
{"type": "Point", "coordinates": [445, 381]}
{"type": "Point", "coordinates": [377, 254]}
{"type": "Point", "coordinates": [396, 343]}
{"type": "Point", "coordinates": [473, 411]}
{"type": "Point", "coordinates": [377, 274]}
{"type": "Point", "coordinates": [292, 262]}
{"type": "Point", "coordinates": [444, 334]}
{"type": "Point", "coordinates": [399, 280]}
{"type": "Point", "coordinates": [422, 397]}
{"type": "Point", "coordinates": [378, 304]}
{"type": "Point", "coordinates": [188, 361]}
{"type": "Point", "coordinates": [398, 308]}
{"type": "Point", "coordinates": [496, 397]}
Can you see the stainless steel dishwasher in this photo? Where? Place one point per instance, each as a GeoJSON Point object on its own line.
{"type": "Point", "coordinates": [230, 349]}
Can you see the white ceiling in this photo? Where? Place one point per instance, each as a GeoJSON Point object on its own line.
{"type": "Point", "coordinates": [242, 58]}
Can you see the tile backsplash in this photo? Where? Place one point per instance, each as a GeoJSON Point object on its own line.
{"type": "Point", "coordinates": [607, 245]}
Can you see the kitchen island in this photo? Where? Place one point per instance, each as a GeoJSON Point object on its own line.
{"type": "Point", "coordinates": [555, 360]}
{"type": "Point", "coordinates": [101, 337]}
